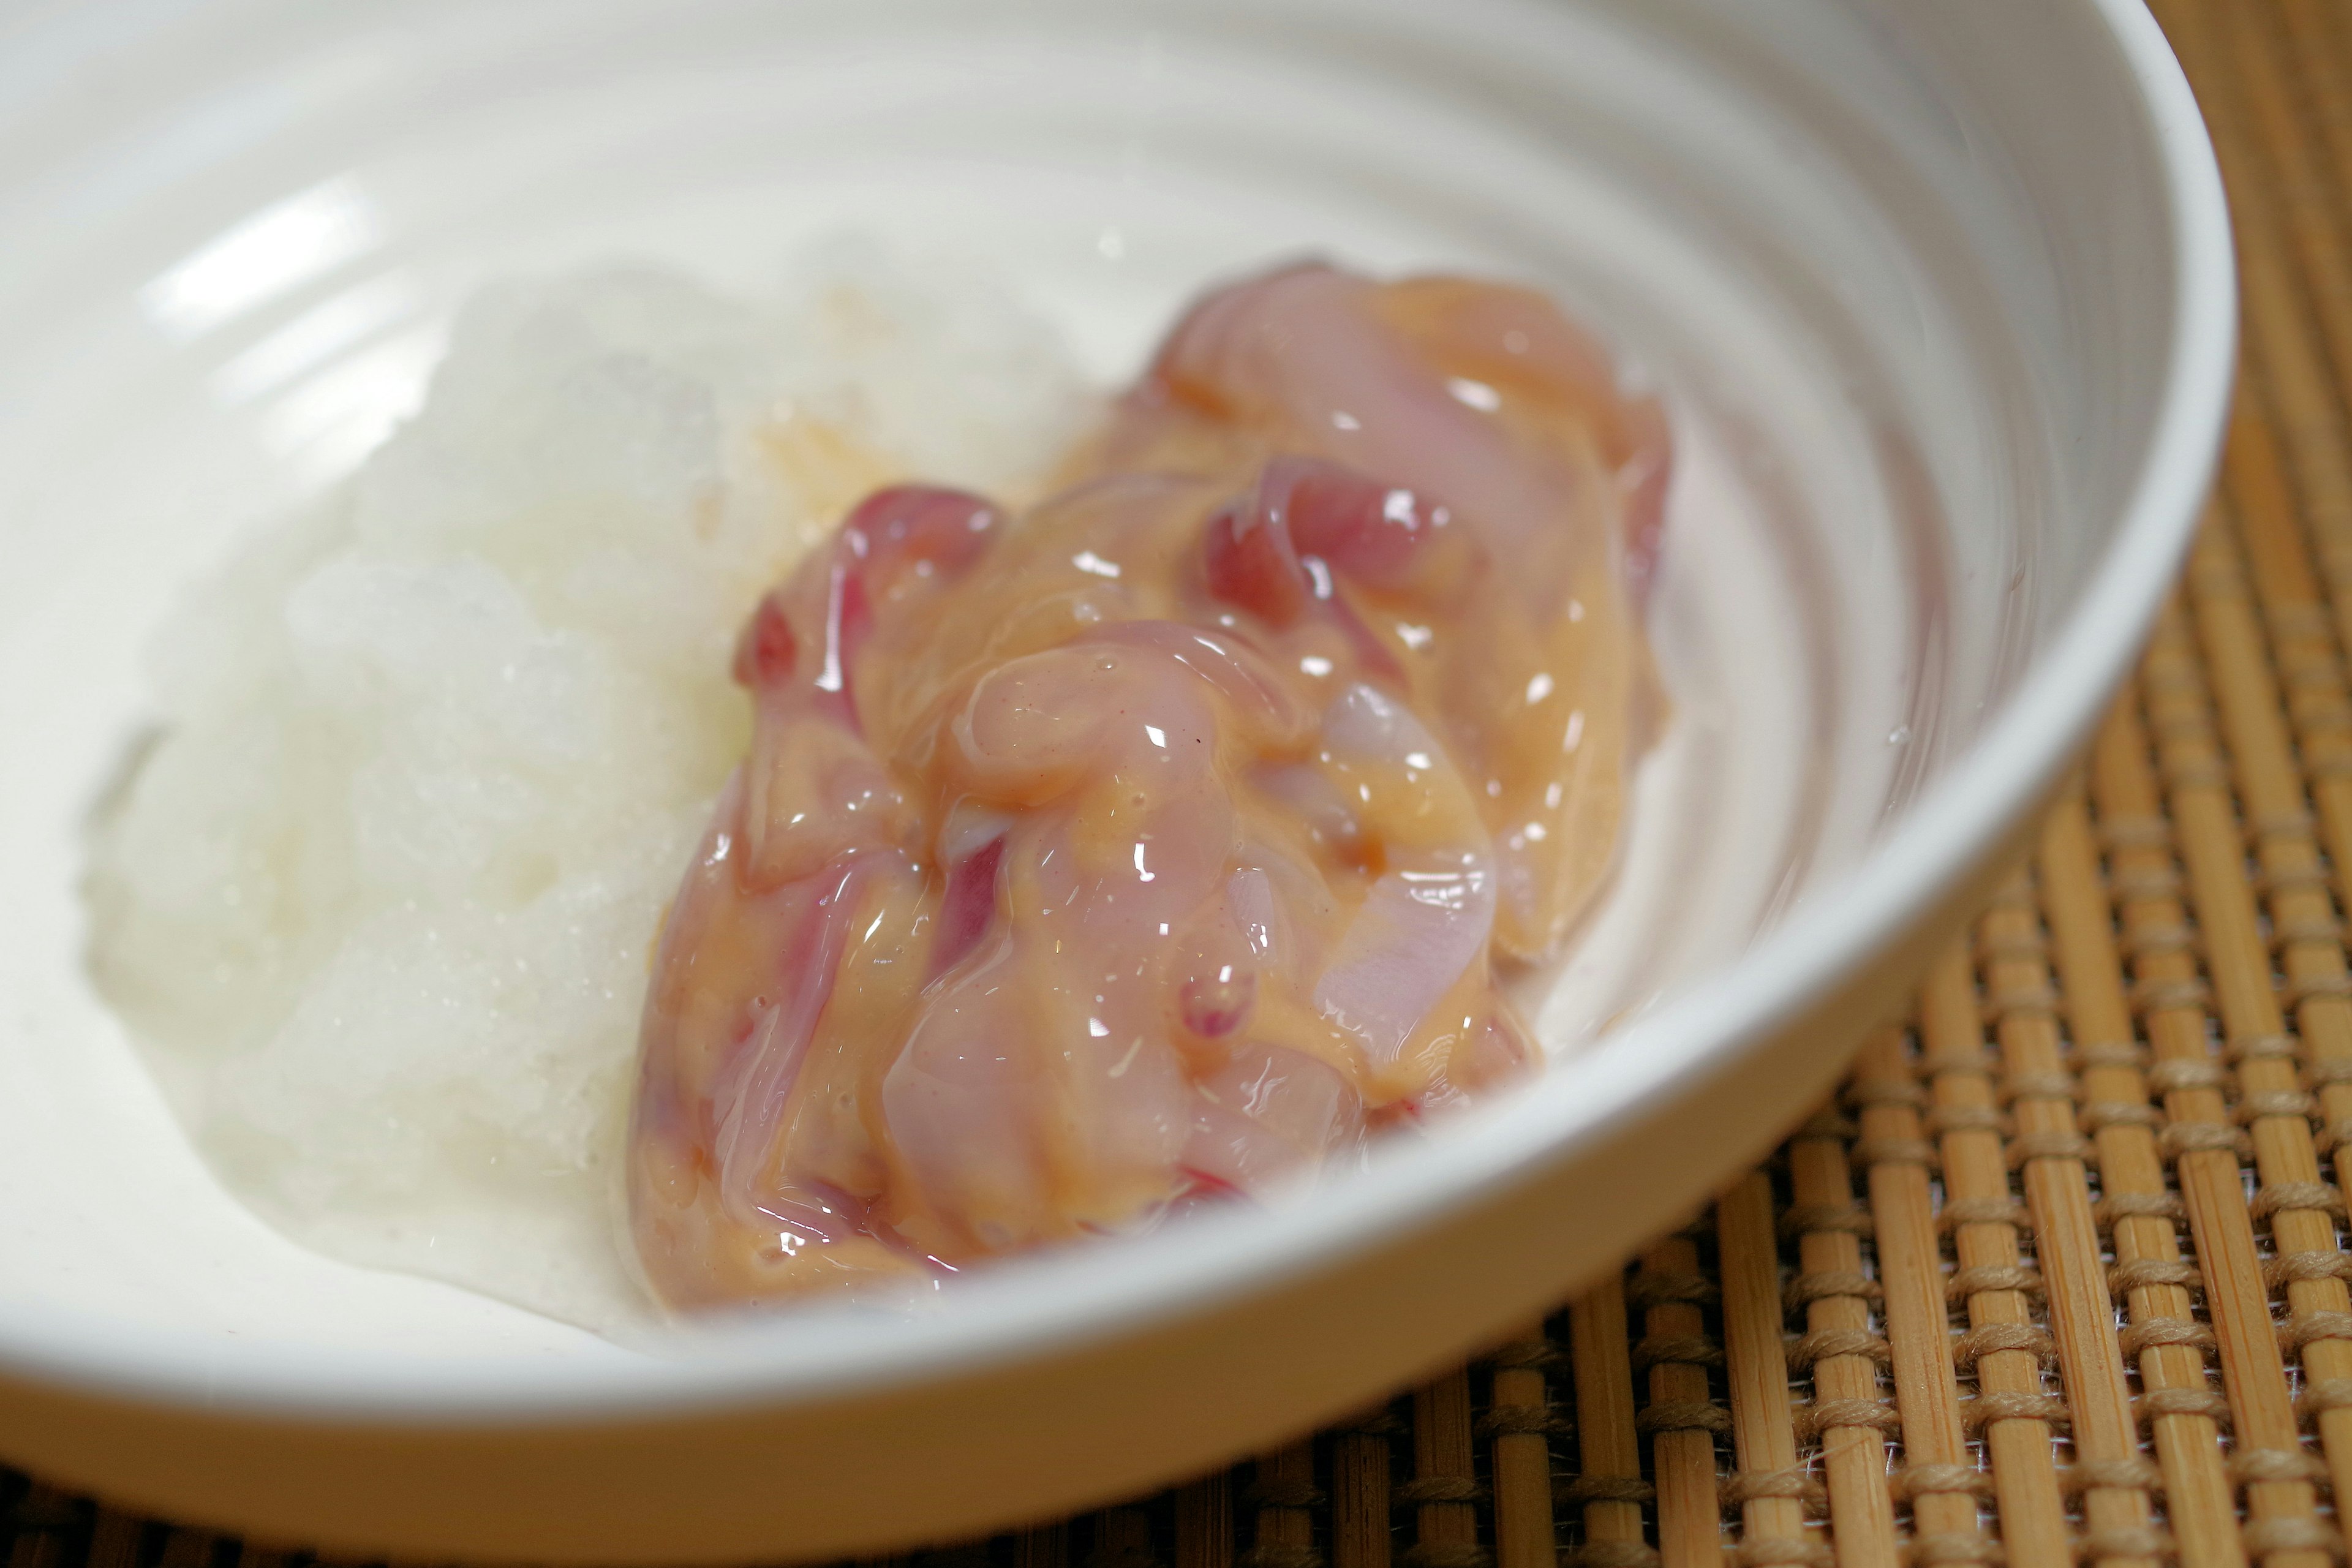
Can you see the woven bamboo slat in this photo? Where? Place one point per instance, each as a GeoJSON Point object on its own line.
{"type": "Point", "coordinates": [2060, 1276]}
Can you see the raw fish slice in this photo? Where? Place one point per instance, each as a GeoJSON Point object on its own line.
{"type": "Point", "coordinates": [1422, 929]}
{"type": "Point", "coordinates": [1511, 473]}
{"type": "Point", "coordinates": [812, 852]}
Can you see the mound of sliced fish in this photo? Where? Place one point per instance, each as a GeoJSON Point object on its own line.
{"type": "Point", "coordinates": [1159, 846]}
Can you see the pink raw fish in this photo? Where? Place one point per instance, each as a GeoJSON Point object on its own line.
{"type": "Point", "coordinates": [1158, 845]}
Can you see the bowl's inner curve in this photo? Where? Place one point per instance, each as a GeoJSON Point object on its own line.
{"type": "Point", "coordinates": [237, 253]}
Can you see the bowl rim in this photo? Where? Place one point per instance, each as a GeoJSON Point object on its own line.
{"type": "Point", "coordinates": [1045, 1307]}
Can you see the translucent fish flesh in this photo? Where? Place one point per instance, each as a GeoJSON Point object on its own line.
{"type": "Point", "coordinates": [1163, 842]}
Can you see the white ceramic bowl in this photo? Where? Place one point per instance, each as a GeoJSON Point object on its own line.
{"type": "Point", "coordinates": [1941, 294]}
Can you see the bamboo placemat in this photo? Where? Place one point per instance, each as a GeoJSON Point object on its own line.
{"type": "Point", "coordinates": [2060, 1276]}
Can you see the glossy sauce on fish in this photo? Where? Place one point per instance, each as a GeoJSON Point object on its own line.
{"type": "Point", "coordinates": [1168, 840]}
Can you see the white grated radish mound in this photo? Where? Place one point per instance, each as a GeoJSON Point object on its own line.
{"type": "Point", "coordinates": [379, 900]}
